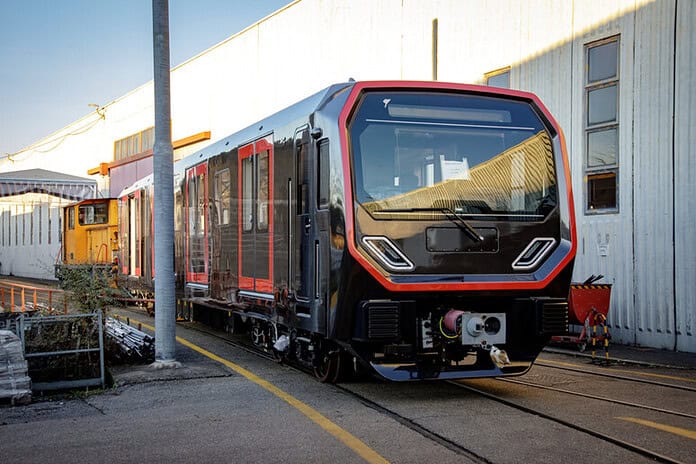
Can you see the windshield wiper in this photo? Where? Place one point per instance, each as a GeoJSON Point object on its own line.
{"type": "Point", "coordinates": [449, 214]}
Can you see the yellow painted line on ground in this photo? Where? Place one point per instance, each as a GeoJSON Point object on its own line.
{"type": "Point", "coordinates": [345, 437]}
{"type": "Point", "coordinates": [665, 428]}
{"type": "Point", "coordinates": [623, 371]}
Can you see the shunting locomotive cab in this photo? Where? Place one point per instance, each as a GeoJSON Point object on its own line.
{"type": "Point", "coordinates": [90, 232]}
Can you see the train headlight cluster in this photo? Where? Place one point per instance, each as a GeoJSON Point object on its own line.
{"type": "Point", "coordinates": [387, 253]}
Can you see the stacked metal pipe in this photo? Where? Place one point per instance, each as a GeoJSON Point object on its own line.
{"type": "Point", "coordinates": [128, 344]}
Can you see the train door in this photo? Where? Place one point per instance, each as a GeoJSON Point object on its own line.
{"type": "Point", "coordinates": [123, 235]}
{"type": "Point", "coordinates": [255, 214]}
{"type": "Point", "coordinates": [303, 252]}
{"type": "Point", "coordinates": [196, 198]}
{"type": "Point", "coordinates": [134, 234]}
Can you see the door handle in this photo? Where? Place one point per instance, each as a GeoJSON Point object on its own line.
{"type": "Point", "coordinates": [307, 224]}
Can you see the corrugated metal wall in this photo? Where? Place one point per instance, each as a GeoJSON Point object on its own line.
{"type": "Point", "coordinates": [646, 250]}
{"type": "Point", "coordinates": [653, 175]}
{"type": "Point", "coordinates": [685, 176]}
{"type": "Point", "coordinates": [30, 234]}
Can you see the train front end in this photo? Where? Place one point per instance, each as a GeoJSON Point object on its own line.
{"type": "Point", "coordinates": [461, 232]}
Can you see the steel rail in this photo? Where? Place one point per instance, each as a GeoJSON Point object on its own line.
{"type": "Point", "coordinates": [406, 422]}
{"type": "Point", "coordinates": [616, 376]}
{"type": "Point", "coordinates": [616, 441]}
{"type": "Point", "coordinates": [433, 436]}
{"type": "Point", "coordinates": [597, 397]}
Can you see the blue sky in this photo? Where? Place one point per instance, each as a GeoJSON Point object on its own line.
{"type": "Point", "coordinates": [58, 56]}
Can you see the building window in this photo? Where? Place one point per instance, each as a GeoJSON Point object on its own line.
{"type": "Point", "coordinates": [134, 144]}
{"type": "Point", "coordinates": [31, 224]}
{"type": "Point", "coordinates": [40, 222]}
{"type": "Point", "coordinates": [499, 78]}
{"type": "Point", "coordinates": [601, 162]}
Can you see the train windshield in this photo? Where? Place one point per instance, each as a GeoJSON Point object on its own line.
{"type": "Point", "coordinates": [479, 156]}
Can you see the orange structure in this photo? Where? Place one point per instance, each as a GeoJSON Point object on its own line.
{"type": "Point", "coordinates": [90, 232]}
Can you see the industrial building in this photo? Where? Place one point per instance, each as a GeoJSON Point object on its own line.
{"type": "Point", "coordinates": [617, 75]}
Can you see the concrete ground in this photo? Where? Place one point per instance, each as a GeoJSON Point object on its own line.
{"type": "Point", "coordinates": [238, 407]}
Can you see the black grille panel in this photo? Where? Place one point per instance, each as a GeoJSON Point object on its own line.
{"type": "Point", "coordinates": [553, 318]}
{"type": "Point", "coordinates": [383, 321]}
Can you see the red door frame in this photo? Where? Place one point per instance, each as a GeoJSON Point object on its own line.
{"type": "Point", "coordinates": [137, 229]}
{"type": "Point", "coordinates": [123, 233]}
{"type": "Point", "coordinates": [253, 149]}
{"type": "Point", "coordinates": [197, 277]}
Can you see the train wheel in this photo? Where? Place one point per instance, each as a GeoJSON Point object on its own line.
{"type": "Point", "coordinates": [258, 336]}
{"type": "Point", "coordinates": [329, 368]}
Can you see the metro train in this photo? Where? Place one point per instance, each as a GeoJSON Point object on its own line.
{"type": "Point", "coordinates": [421, 230]}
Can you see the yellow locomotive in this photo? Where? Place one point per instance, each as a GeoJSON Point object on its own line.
{"type": "Point", "coordinates": [90, 233]}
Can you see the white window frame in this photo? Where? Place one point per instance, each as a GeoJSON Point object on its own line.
{"type": "Point", "coordinates": [605, 170]}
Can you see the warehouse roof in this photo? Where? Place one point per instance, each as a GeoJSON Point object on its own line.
{"type": "Point", "coordinates": [49, 182]}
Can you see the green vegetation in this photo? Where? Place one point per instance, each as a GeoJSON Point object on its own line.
{"type": "Point", "coordinates": [89, 288]}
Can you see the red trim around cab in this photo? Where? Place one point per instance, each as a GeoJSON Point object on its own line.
{"type": "Point", "coordinates": [383, 279]}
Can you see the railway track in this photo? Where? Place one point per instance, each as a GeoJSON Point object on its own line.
{"type": "Point", "coordinates": [365, 397]}
{"type": "Point", "coordinates": [401, 419]}
{"type": "Point", "coordinates": [598, 397]}
{"type": "Point", "coordinates": [614, 375]}
{"type": "Point", "coordinates": [657, 457]}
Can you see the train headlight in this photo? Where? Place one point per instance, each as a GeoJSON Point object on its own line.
{"type": "Point", "coordinates": [384, 250]}
{"type": "Point", "coordinates": [534, 253]}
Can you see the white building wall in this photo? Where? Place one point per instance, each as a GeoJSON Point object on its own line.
{"type": "Point", "coordinates": [654, 175]}
{"type": "Point", "coordinates": [646, 250]}
{"type": "Point", "coordinates": [605, 240]}
{"type": "Point", "coordinates": [30, 229]}
{"type": "Point", "coordinates": [685, 177]}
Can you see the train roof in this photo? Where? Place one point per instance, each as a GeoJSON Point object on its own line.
{"type": "Point", "coordinates": [303, 109]}
{"type": "Point", "coordinates": [252, 132]}
{"type": "Point", "coordinates": [137, 185]}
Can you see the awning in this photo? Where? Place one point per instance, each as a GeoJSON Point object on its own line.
{"type": "Point", "coordinates": [49, 182]}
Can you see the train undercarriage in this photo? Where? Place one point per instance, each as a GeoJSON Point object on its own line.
{"type": "Point", "coordinates": [399, 342]}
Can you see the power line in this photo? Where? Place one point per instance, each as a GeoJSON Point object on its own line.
{"type": "Point", "coordinates": [58, 140]}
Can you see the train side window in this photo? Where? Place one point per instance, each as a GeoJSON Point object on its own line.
{"type": "Point", "coordinates": [323, 174]}
{"type": "Point", "coordinates": [247, 194]}
{"type": "Point", "coordinates": [101, 213]}
{"type": "Point", "coordinates": [96, 213]}
{"type": "Point", "coordinates": [71, 218]}
{"type": "Point", "coordinates": [262, 192]}
{"type": "Point", "coordinates": [222, 196]}
{"type": "Point", "coordinates": [302, 171]}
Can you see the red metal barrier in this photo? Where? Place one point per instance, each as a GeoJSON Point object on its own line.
{"type": "Point", "coordinates": [31, 298]}
{"type": "Point", "coordinates": [588, 306]}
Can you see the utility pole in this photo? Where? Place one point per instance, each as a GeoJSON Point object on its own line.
{"type": "Point", "coordinates": [163, 168]}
